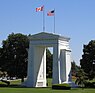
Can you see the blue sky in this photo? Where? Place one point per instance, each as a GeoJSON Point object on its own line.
{"type": "Point", "coordinates": [73, 18]}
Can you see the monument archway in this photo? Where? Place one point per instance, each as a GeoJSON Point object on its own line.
{"type": "Point", "coordinates": [36, 75]}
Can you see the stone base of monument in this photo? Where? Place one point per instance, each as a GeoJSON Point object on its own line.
{"type": "Point", "coordinates": [26, 84]}
{"type": "Point", "coordinates": [30, 84]}
{"type": "Point", "coordinates": [40, 84]}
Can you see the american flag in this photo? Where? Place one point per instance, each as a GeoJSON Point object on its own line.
{"type": "Point", "coordinates": [50, 13]}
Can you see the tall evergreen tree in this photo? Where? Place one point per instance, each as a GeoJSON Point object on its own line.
{"type": "Point", "coordinates": [88, 59]}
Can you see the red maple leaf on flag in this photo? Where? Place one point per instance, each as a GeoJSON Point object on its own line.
{"type": "Point", "coordinates": [40, 8]}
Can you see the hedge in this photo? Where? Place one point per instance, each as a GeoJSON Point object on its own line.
{"type": "Point", "coordinates": [64, 86]}
{"type": "Point", "coordinates": [90, 85]}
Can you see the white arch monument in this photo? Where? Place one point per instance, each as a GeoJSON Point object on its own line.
{"type": "Point", "coordinates": [37, 59]}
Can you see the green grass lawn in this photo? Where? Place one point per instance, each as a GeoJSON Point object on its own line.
{"type": "Point", "coordinates": [44, 90]}
{"type": "Point", "coordinates": [12, 89]}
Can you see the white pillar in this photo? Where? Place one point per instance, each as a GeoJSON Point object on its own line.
{"type": "Point", "coordinates": [68, 65]}
{"type": "Point", "coordinates": [65, 65]}
{"type": "Point", "coordinates": [62, 66]}
{"type": "Point", "coordinates": [40, 67]}
{"type": "Point", "coordinates": [30, 71]}
{"type": "Point", "coordinates": [56, 66]}
{"type": "Point", "coordinates": [36, 76]}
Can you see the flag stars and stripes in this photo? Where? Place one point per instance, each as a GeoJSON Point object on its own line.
{"type": "Point", "coordinates": [50, 13]}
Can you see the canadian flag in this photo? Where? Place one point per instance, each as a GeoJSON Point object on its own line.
{"type": "Point", "coordinates": [40, 8]}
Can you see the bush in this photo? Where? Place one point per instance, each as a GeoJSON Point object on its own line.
{"type": "Point", "coordinates": [7, 82]}
{"type": "Point", "coordinates": [90, 84]}
{"type": "Point", "coordinates": [61, 86]}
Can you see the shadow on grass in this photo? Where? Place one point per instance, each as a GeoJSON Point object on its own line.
{"type": "Point", "coordinates": [19, 86]}
{"type": "Point", "coordinates": [12, 86]}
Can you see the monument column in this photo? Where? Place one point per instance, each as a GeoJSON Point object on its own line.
{"type": "Point", "coordinates": [65, 66]}
{"type": "Point", "coordinates": [39, 67]}
{"type": "Point", "coordinates": [30, 70]}
{"type": "Point", "coordinates": [56, 65]}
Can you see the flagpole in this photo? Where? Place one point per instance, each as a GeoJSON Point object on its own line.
{"type": "Point", "coordinates": [44, 19]}
{"type": "Point", "coordinates": [54, 20]}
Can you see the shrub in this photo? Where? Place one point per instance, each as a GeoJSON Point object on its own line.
{"type": "Point", "coordinates": [7, 82]}
{"type": "Point", "coordinates": [90, 84]}
{"type": "Point", "coordinates": [61, 86]}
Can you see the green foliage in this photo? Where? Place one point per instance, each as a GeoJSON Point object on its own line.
{"type": "Point", "coordinates": [88, 59]}
{"type": "Point", "coordinates": [14, 55]}
{"type": "Point", "coordinates": [49, 61]}
{"type": "Point", "coordinates": [74, 68]}
{"type": "Point", "coordinates": [81, 78]}
{"type": "Point", "coordinates": [3, 74]}
{"type": "Point", "coordinates": [7, 82]}
{"type": "Point", "coordinates": [90, 84]}
{"type": "Point", "coordinates": [1, 57]}
{"type": "Point", "coordinates": [61, 86]}
{"type": "Point", "coordinates": [49, 82]}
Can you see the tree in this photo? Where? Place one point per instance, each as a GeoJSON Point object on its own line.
{"type": "Point", "coordinates": [14, 56]}
{"type": "Point", "coordinates": [74, 68]}
{"type": "Point", "coordinates": [49, 61]}
{"type": "Point", "coordinates": [81, 78]}
{"type": "Point", "coordinates": [88, 59]}
{"type": "Point", "coordinates": [1, 63]}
